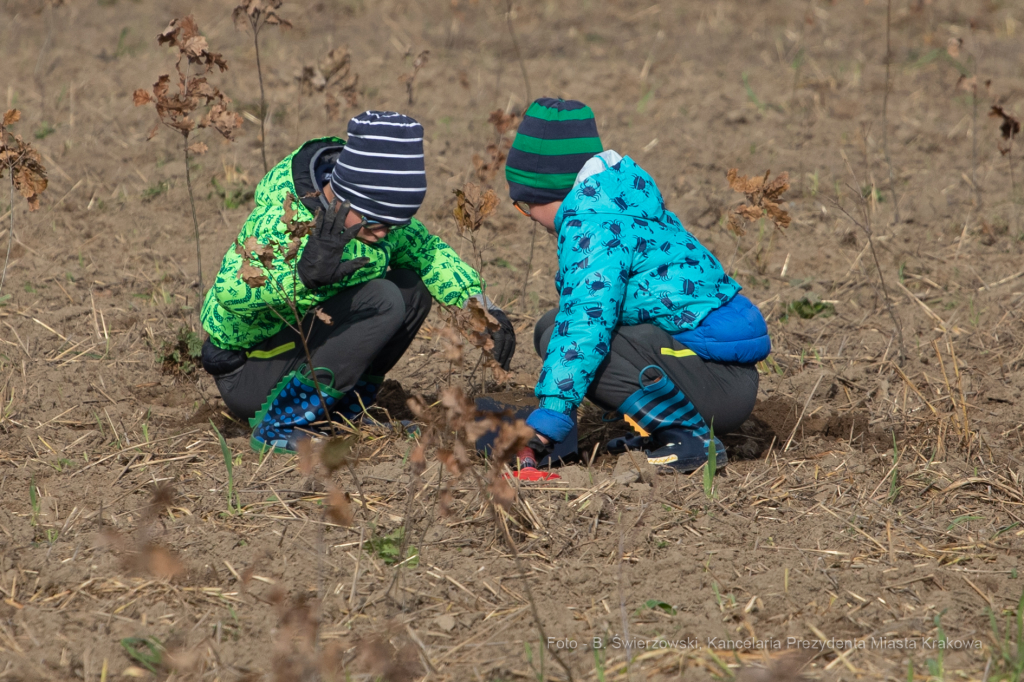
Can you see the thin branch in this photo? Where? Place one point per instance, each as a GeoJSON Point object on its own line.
{"type": "Point", "coordinates": [885, 109]}
{"type": "Point", "coordinates": [881, 278]}
{"type": "Point", "coordinates": [195, 225]}
{"type": "Point", "coordinates": [529, 263]}
{"type": "Point", "coordinates": [10, 232]}
{"type": "Point", "coordinates": [515, 46]}
{"type": "Point", "coordinates": [263, 99]}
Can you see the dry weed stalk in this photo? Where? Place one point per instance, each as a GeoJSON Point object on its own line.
{"type": "Point", "coordinates": [175, 110]}
{"type": "Point", "coordinates": [1009, 128]}
{"type": "Point", "coordinates": [257, 14]}
{"type": "Point", "coordinates": [474, 324]}
{"type": "Point", "coordinates": [885, 111]}
{"type": "Point", "coordinates": [410, 78]}
{"type": "Point", "coordinates": [332, 72]}
{"type": "Point", "coordinates": [865, 225]}
{"type": "Point", "coordinates": [515, 47]}
{"type": "Point", "coordinates": [141, 554]}
{"type": "Point", "coordinates": [259, 269]}
{"type": "Point", "coordinates": [27, 175]}
{"type": "Point", "coordinates": [505, 126]}
{"type": "Point", "coordinates": [472, 208]}
{"type": "Point", "coordinates": [454, 424]}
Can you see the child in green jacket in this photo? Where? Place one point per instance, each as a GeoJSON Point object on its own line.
{"type": "Point", "coordinates": [368, 264]}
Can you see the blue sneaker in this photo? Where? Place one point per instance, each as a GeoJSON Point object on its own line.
{"type": "Point", "coordinates": [683, 450]}
{"type": "Point", "coordinates": [290, 412]}
{"type": "Point", "coordinates": [363, 395]}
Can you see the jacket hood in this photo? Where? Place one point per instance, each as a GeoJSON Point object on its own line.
{"type": "Point", "coordinates": [624, 189]}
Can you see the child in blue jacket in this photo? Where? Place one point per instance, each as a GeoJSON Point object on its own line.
{"type": "Point", "coordinates": [648, 323]}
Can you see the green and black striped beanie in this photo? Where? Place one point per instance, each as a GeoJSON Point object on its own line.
{"type": "Point", "coordinates": [556, 138]}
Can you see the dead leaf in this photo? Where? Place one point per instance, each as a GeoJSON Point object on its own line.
{"type": "Point", "coordinates": [323, 317]}
{"type": "Point", "coordinates": [252, 276]}
{"type": "Point", "coordinates": [453, 353]}
{"type": "Point", "coordinates": [11, 116]}
{"type": "Point", "coordinates": [417, 460]}
{"type": "Point", "coordinates": [308, 454]}
{"type": "Point", "coordinates": [198, 148]}
{"type": "Point", "coordinates": [762, 199]}
{"type": "Point", "coordinates": [444, 501]}
{"type": "Point", "coordinates": [336, 452]}
{"type": "Point", "coordinates": [501, 121]}
{"type": "Point", "coordinates": [417, 405]}
{"type": "Point", "coordinates": [512, 437]}
{"type": "Point", "coordinates": [1009, 128]}
{"type": "Point", "coordinates": [953, 47]}
{"type": "Point", "coordinates": [502, 492]}
{"type": "Point", "coordinates": [339, 508]}
{"type": "Point", "coordinates": [160, 562]}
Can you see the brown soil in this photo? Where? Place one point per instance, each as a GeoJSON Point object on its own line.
{"type": "Point", "coordinates": [819, 529]}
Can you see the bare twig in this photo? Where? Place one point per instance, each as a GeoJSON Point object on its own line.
{"type": "Point", "coordinates": [529, 263]}
{"type": "Point", "coordinates": [515, 46]}
{"type": "Point", "coordinates": [802, 413]}
{"type": "Point", "coordinates": [259, 13]}
{"type": "Point", "coordinates": [885, 109]}
{"type": "Point", "coordinates": [865, 226]}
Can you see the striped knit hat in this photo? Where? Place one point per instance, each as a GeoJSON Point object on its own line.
{"type": "Point", "coordinates": [554, 140]}
{"type": "Point", "coordinates": [380, 170]}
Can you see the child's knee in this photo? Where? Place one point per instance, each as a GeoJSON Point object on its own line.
{"type": "Point", "coordinates": [542, 332]}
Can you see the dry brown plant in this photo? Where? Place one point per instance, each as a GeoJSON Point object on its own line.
{"type": "Point", "coordinates": [410, 78]}
{"type": "Point", "coordinates": [24, 167]}
{"type": "Point", "coordinates": [256, 14]}
{"type": "Point", "coordinates": [472, 207]}
{"type": "Point", "coordinates": [175, 110]}
{"type": "Point", "coordinates": [763, 200]}
{"type": "Point", "coordinates": [454, 424]}
{"type": "Point", "coordinates": [331, 74]}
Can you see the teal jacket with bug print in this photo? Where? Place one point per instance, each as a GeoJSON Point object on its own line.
{"type": "Point", "coordinates": [624, 259]}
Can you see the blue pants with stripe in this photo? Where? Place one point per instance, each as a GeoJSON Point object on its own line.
{"type": "Point", "coordinates": [716, 392]}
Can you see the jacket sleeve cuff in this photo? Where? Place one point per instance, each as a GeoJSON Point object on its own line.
{"type": "Point", "coordinates": [553, 425]}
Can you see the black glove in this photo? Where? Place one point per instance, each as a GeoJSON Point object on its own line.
{"type": "Point", "coordinates": [504, 339]}
{"type": "Point", "coordinates": [320, 263]}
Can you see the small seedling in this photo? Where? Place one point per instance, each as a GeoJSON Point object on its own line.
{"type": "Point", "coordinates": [234, 505]}
{"type": "Point", "coordinates": [151, 658]}
{"type": "Point", "coordinates": [657, 605]}
{"type": "Point", "coordinates": [33, 499]}
{"type": "Point", "coordinates": [710, 467]}
{"type": "Point", "coordinates": [256, 14]}
{"type": "Point", "coordinates": [936, 666]}
{"type": "Point", "coordinates": [389, 548]}
{"type": "Point", "coordinates": [182, 355]}
{"type": "Point", "coordinates": [27, 175]}
{"type": "Point", "coordinates": [194, 91]}
{"type": "Point", "coordinates": [894, 477]}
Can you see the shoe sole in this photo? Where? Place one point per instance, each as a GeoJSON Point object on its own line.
{"type": "Point", "coordinates": [670, 461]}
{"type": "Point", "coordinates": [265, 449]}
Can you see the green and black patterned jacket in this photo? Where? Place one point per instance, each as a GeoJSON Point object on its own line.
{"type": "Point", "coordinates": [238, 317]}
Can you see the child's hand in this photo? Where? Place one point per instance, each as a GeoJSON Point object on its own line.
{"type": "Point", "coordinates": [504, 339]}
{"type": "Point", "coordinates": [320, 264]}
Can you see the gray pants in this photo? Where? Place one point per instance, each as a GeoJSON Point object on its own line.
{"type": "Point", "coordinates": [723, 393]}
{"type": "Point", "coordinates": [373, 325]}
